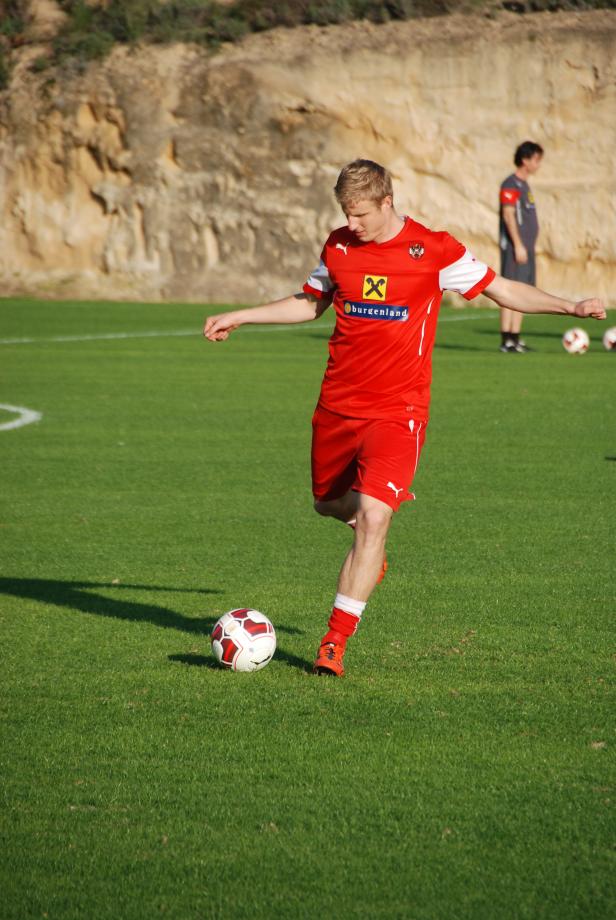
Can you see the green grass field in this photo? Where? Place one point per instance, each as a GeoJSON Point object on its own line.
{"type": "Point", "coordinates": [463, 770]}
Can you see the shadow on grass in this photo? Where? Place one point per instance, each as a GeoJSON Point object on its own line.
{"type": "Point", "coordinates": [531, 334]}
{"type": "Point", "coordinates": [200, 661]}
{"type": "Point", "coordinates": [203, 661]}
{"type": "Point", "coordinates": [76, 595]}
{"type": "Point", "coordinates": [451, 346]}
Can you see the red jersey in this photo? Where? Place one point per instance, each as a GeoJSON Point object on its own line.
{"type": "Point", "coordinates": [387, 297]}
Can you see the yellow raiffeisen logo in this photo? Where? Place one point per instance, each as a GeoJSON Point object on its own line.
{"type": "Point", "coordinates": [375, 287]}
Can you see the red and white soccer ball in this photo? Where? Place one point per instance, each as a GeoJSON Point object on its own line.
{"type": "Point", "coordinates": [609, 339]}
{"type": "Point", "coordinates": [243, 640]}
{"type": "Point", "coordinates": [576, 341]}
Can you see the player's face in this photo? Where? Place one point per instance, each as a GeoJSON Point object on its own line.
{"type": "Point", "coordinates": [533, 163]}
{"type": "Point", "coordinates": [368, 220]}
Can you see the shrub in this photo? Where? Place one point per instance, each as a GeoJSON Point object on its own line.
{"type": "Point", "coordinates": [90, 32]}
{"type": "Point", "coordinates": [5, 71]}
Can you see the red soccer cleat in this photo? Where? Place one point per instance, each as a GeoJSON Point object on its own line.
{"type": "Point", "coordinates": [383, 571]}
{"type": "Point", "coordinates": [329, 660]}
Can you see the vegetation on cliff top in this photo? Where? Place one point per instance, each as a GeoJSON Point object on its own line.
{"type": "Point", "coordinates": [91, 29]}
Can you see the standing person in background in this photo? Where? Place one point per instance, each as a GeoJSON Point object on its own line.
{"type": "Point", "coordinates": [518, 234]}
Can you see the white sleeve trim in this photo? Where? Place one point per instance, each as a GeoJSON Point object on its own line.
{"type": "Point", "coordinates": [320, 279]}
{"type": "Point", "coordinates": [463, 275]}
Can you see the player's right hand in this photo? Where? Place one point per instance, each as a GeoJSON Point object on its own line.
{"type": "Point", "coordinates": [592, 308]}
{"type": "Point", "coordinates": [521, 254]}
{"type": "Point", "coordinates": [218, 328]}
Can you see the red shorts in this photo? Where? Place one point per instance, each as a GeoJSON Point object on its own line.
{"type": "Point", "coordinates": [377, 457]}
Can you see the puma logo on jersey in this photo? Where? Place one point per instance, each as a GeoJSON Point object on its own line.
{"type": "Point", "coordinates": [390, 485]}
{"type": "Point", "coordinates": [343, 247]}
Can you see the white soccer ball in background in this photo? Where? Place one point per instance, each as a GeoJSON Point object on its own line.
{"type": "Point", "coordinates": [576, 341]}
{"type": "Point", "coordinates": [243, 640]}
{"type": "Point", "coordinates": [609, 339]}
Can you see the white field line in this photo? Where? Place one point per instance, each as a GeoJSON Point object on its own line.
{"type": "Point", "coordinates": [456, 319]}
{"type": "Point", "coordinates": [161, 334]}
{"type": "Point", "coordinates": [26, 417]}
{"type": "Point", "coordinates": [100, 337]}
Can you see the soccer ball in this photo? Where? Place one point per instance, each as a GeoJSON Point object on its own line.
{"type": "Point", "coordinates": [243, 640]}
{"type": "Point", "coordinates": [576, 341]}
{"type": "Point", "coordinates": [609, 339]}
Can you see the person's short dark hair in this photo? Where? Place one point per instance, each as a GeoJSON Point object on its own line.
{"type": "Point", "coordinates": [525, 151]}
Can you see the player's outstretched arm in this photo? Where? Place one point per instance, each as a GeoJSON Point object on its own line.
{"type": "Point", "coordinates": [528, 299]}
{"type": "Point", "coordinates": [298, 308]}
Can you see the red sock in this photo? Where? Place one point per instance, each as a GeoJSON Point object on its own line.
{"type": "Point", "coordinates": [342, 625]}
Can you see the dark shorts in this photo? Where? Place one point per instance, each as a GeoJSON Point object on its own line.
{"type": "Point", "coordinates": [510, 269]}
{"type": "Point", "coordinates": [378, 457]}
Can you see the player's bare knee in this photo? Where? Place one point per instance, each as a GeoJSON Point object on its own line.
{"type": "Point", "coordinates": [373, 522]}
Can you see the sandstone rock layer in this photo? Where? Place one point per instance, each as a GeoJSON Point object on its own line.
{"type": "Point", "coordinates": [169, 172]}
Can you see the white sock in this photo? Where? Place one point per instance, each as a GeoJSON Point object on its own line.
{"type": "Point", "coordinates": [350, 605]}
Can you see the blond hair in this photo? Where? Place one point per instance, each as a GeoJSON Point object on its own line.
{"type": "Point", "coordinates": [363, 180]}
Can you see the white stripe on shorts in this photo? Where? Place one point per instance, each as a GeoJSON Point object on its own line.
{"type": "Point", "coordinates": [411, 426]}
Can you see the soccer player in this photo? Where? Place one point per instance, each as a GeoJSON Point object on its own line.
{"type": "Point", "coordinates": [385, 275]}
{"type": "Point", "coordinates": [518, 234]}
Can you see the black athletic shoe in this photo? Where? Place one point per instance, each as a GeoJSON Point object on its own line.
{"type": "Point", "coordinates": [508, 347]}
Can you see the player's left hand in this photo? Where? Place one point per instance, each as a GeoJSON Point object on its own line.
{"type": "Point", "coordinates": [218, 328]}
{"type": "Point", "coordinates": [593, 308]}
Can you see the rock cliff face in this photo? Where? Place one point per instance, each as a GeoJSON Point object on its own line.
{"type": "Point", "coordinates": [166, 172]}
